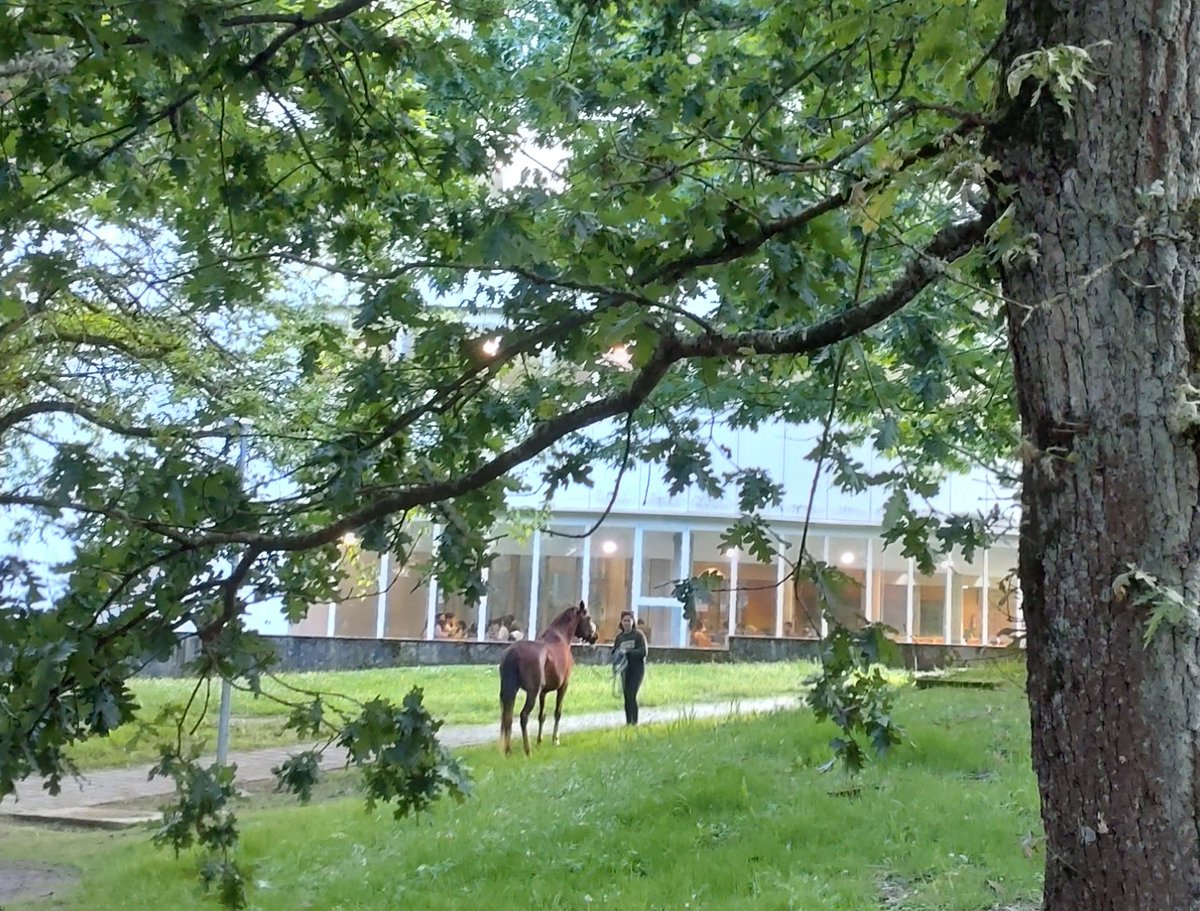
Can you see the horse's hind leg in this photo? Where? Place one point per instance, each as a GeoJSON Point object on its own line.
{"type": "Point", "coordinates": [541, 714]}
{"type": "Point", "coordinates": [526, 711]}
{"type": "Point", "coordinates": [506, 712]}
{"type": "Point", "coordinates": [558, 701]}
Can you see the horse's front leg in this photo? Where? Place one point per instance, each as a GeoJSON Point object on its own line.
{"type": "Point", "coordinates": [558, 701]}
{"type": "Point", "coordinates": [541, 714]}
{"type": "Point", "coordinates": [526, 711]}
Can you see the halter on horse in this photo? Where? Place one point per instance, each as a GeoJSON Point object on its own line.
{"type": "Point", "coordinates": [537, 667]}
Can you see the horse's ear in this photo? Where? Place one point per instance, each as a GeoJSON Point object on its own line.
{"type": "Point", "coordinates": [582, 608]}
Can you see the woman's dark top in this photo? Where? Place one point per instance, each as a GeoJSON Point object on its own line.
{"type": "Point", "coordinates": [636, 654]}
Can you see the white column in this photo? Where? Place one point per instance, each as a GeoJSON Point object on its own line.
{"type": "Point", "coordinates": [535, 573]}
{"type": "Point", "coordinates": [431, 607]}
{"type": "Point", "coordinates": [733, 593]}
{"type": "Point", "coordinates": [481, 615]}
{"type": "Point", "coordinates": [780, 575]}
{"type": "Point", "coordinates": [947, 603]}
{"type": "Point", "coordinates": [685, 572]}
{"type": "Point", "coordinates": [331, 620]}
{"type": "Point", "coordinates": [908, 604]}
{"type": "Point", "coordinates": [1019, 615]}
{"type": "Point", "coordinates": [585, 588]}
{"type": "Point", "coordinates": [637, 571]}
{"type": "Point", "coordinates": [820, 606]}
{"type": "Point", "coordinates": [381, 598]}
{"type": "Point", "coordinates": [431, 602]}
{"type": "Point", "coordinates": [870, 612]}
{"type": "Point", "coordinates": [984, 600]}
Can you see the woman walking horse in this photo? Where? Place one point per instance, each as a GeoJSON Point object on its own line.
{"type": "Point", "coordinates": [538, 667]}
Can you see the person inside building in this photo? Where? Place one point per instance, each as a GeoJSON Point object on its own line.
{"type": "Point", "coordinates": [629, 648]}
{"type": "Point", "coordinates": [445, 627]}
{"type": "Point", "coordinates": [700, 636]}
{"type": "Point", "coordinates": [645, 628]}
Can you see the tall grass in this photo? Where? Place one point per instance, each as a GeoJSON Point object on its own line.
{"type": "Point", "coordinates": [457, 695]}
{"type": "Point", "coordinates": [692, 815]}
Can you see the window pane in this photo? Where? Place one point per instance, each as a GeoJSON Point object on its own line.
{"type": "Point", "coordinates": [456, 618]}
{"type": "Point", "coordinates": [357, 606]}
{"type": "Point", "coordinates": [847, 593]}
{"type": "Point", "coordinates": [658, 622]}
{"type": "Point", "coordinates": [660, 560]}
{"type": "Point", "coordinates": [711, 625]}
{"type": "Point", "coordinates": [408, 592]}
{"type": "Point", "coordinates": [1002, 594]}
{"type": "Point", "coordinates": [757, 587]}
{"type": "Point", "coordinates": [891, 589]}
{"type": "Point", "coordinates": [314, 623]}
{"type": "Point", "coordinates": [610, 578]}
{"type": "Point", "coordinates": [801, 606]}
{"type": "Point", "coordinates": [510, 584]}
{"type": "Point", "coordinates": [966, 598]}
{"type": "Point", "coordinates": [929, 608]}
{"type": "Point", "coordinates": [560, 575]}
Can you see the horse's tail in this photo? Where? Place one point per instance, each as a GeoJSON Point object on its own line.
{"type": "Point", "coordinates": [510, 683]}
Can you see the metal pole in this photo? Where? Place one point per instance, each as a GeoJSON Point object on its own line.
{"type": "Point", "coordinates": [226, 686]}
{"type": "Point", "coordinates": [223, 722]}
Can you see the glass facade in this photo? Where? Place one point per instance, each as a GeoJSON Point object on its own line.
{"type": "Point", "coordinates": [801, 604]}
{"type": "Point", "coordinates": [356, 613]}
{"type": "Point", "coordinates": [634, 564]}
{"type": "Point", "coordinates": [610, 578]}
{"type": "Point", "coordinates": [560, 570]}
{"type": "Point", "coordinates": [711, 624]}
{"type": "Point", "coordinates": [406, 605]}
{"type": "Point", "coordinates": [966, 599]}
{"type": "Point", "coordinates": [890, 585]}
{"type": "Point", "coordinates": [848, 586]}
{"type": "Point", "coordinates": [757, 597]}
{"type": "Point", "coordinates": [1003, 617]}
{"type": "Point", "coordinates": [929, 606]}
{"type": "Point", "coordinates": [510, 584]}
{"type": "Point", "coordinates": [660, 562]}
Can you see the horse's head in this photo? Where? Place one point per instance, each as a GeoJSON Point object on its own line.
{"type": "Point", "coordinates": [585, 628]}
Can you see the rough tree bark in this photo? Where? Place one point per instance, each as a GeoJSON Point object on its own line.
{"type": "Point", "coordinates": [1105, 335]}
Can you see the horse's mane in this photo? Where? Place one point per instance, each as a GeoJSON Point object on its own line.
{"type": "Point", "coordinates": [558, 619]}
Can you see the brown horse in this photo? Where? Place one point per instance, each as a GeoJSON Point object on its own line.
{"type": "Point", "coordinates": [537, 667]}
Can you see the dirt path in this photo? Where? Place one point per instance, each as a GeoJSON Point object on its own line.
{"type": "Point", "coordinates": [29, 880]}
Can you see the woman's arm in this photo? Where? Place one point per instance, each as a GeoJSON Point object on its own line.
{"type": "Point", "coordinates": [639, 644]}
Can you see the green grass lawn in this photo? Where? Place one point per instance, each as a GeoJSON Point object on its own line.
{"type": "Point", "coordinates": [692, 815]}
{"type": "Point", "coordinates": [458, 695]}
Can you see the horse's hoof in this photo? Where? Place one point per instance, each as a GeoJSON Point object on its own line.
{"type": "Point", "coordinates": [557, 742]}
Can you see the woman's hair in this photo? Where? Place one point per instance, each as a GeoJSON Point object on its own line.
{"type": "Point", "coordinates": [626, 613]}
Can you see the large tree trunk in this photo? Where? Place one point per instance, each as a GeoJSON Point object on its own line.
{"type": "Point", "coordinates": [1104, 332]}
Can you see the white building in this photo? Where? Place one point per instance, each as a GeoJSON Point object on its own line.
{"type": "Point", "coordinates": [650, 539]}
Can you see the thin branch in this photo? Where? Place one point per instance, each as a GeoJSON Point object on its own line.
{"type": "Point", "coordinates": [170, 532]}
{"type": "Point", "coordinates": [92, 416]}
{"type": "Point", "coordinates": [612, 500]}
{"type": "Point", "coordinates": [734, 248]}
{"type": "Point", "coordinates": [94, 340]}
{"type": "Point", "coordinates": [230, 606]}
{"type": "Point", "coordinates": [791, 84]}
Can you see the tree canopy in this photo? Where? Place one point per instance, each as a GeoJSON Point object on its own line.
{"type": "Point", "coordinates": [414, 255]}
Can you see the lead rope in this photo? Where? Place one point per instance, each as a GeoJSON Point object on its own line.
{"type": "Point", "coordinates": [620, 662]}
